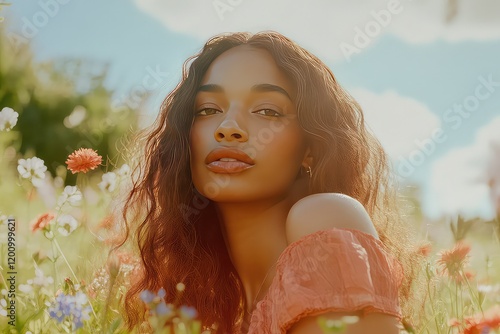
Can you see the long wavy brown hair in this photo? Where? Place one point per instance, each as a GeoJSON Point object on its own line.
{"type": "Point", "coordinates": [177, 230]}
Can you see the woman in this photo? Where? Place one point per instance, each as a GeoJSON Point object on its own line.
{"type": "Point", "coordinates": [263, 192]}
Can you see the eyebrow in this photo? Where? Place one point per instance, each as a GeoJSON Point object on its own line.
{"type": "Point", "coordinates": [260, 88]}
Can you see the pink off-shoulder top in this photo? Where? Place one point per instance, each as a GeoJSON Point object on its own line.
{"type": "Point", "coordinates": [338, 270]}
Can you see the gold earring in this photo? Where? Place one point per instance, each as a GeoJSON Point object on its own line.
{"type": "Point", "coordinates": [309, 171]}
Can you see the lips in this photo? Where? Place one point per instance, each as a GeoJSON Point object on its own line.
{"type": "Point", "coordinates": [228, 160]}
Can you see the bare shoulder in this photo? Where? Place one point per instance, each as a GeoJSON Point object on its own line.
{"type": "Point", "coordinates": [326, 211]}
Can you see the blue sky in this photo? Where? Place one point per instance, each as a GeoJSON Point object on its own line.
{"type": "Point", "coordinates": [406, 79]}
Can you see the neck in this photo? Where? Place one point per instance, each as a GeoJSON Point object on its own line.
{"type": "Point", "coordinates": [255, 237]}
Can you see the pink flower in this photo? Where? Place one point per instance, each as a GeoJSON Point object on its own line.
{"type": "Point", "coordinates": [452, 261]}
{"type": "Point", "coordinates": [42, 222]}
{"type": "Point", "coordinates": [83, 160]}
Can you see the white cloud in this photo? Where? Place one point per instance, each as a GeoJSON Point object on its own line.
{"type": "Point", "coordinates": [459, 179]}
{"type": "Point", "coordinates": [322, 26]}
{"type": "Point", "coordinates": [396, 120]}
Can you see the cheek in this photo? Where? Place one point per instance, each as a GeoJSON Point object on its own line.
{"type": "Point", "coordinates": [197, 142]}
{"type": "Point", "coordinates": [284, 151]}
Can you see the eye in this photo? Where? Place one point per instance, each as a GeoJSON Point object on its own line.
{"type": "Point", "coordinates": [268, 112]}
{"type": "Point", "coordinates": [207, 111]}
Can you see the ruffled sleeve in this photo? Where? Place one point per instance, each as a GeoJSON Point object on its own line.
{"type": "Point", "coordinates": [338, 270]}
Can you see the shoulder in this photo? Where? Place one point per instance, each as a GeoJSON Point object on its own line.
{"type": "Point", "coordinates": [325, 211]}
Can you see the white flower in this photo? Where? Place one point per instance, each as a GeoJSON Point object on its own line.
{"type": "Point", "coordinates": [41, 279]}
{"type": "Point", "coordinates": [8, 119]}
{"type": "Point", "coordinates": [66, 224]}
{"type": "Point", "coordinates": [26, 288]}
{"type": "Point", "coordinates": [33, 168]}
{"type": "Point", "coordinates": [81, 298]}
{"type": "Point", "coordinates": [124, 170]}
{"type": "Point", "coordinates": [70, 195]}
{"type": "Point", "coordinates": [3, 219]}
{"type": "Point", "coordinates": [108, 182]}
{"type": "Point", "coordinates": [3, 307]}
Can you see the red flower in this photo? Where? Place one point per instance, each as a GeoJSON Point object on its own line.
{"type": "Point", "coordinates": [424, 249]}
{"type": "Point", "coordinates": [107, 223]}
{"type": "Point", "coordinates": [459, 279]}
{"type": "Point", "coordinates": [478, 323]}
{"type": "Point", "coordinates": [42, 222]}
{"type": "Point", "coordinates": [492, 317]}
{"type": "Point", "coordinates": [452, 262]}
{"type": "Point", "coordinates": [83, 160]}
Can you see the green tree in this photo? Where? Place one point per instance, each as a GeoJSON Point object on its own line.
{"type": "Point", "coordinates": [62, 104]}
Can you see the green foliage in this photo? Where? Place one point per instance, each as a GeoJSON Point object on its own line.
{"type": "Point", "coordinates": [46, 94]}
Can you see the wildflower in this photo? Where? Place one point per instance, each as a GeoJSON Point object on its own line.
{"type": "Point", "coordinates": [123, 171]}
{"type": "Point", "coordinates": [188, 312]}
{"type": "Point", "coordinates": [147, 296]}
{"type": "Point", "coordinates": [66, 224]}
{"type": "Point", "coordinates": [3, 307]}
{"type": "Point", "coordinates": [42, 280]}
{"type": "Point", "coordinates": [483, 324]}
{"type": "Point", "coordinates": [32, 168]}
{"type": "Point", "coordinates": [26, 288]}
{"type": "Point", "coordinates": [70, 195]}
{"type": "Point", "coordinates": [492, 317]}
{"type": "Point", "coordinates": [106, 223]}
{"type": "Point", "coordinates": [108, 182]}
{"type": "Point", "coordinates": [42, 222]}
{"type": "Point", "coordinates": [83, 160]}
{"type": "Point", "coordinates": [164, 310]}
{"type": "Point", "coordinates": [128, 262]}
{"type": "Point", "coordinates": [8, 119]}
{"type": "Point", "coordinates": [4, 220]}
{"type": "Point", "coordinates": [485, 288]}
{"type": "Point", "coordinates": [74, 308]}
{"type": "Point", "coordinates": [451, 262]}
{"type": "Point", "coordinates": [465, 276]}
{"type": "Point", "coordinates": [156, 303]}
{"type": "Point", "coordinates": [100, 283]}
{"type": "Point", "coordinates": [424, 249]}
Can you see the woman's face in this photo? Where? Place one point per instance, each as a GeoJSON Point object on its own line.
{"type": "Point", "coordinates": [244, 110]}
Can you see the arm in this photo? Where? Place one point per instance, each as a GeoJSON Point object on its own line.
{"type": "Point", "coordinates": [326, 211]}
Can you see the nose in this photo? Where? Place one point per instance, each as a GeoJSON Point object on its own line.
{"type": "Point", "coordinates": [230, 130]}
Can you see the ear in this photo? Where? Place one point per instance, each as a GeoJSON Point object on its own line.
{"type": "Point", "coordinates": [308, 160]}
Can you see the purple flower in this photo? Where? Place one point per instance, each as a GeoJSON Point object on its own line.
{"type": "Point", "coordinates": [147, 296]}
{"type": "Point", "coordinates": [188, 312]}
{"type": "Point", "coordinates": [74, 307]}
{"type": "Point", "coordinates": [164, 309]}
{"type": "Point", "coordinates": [156, 302]}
